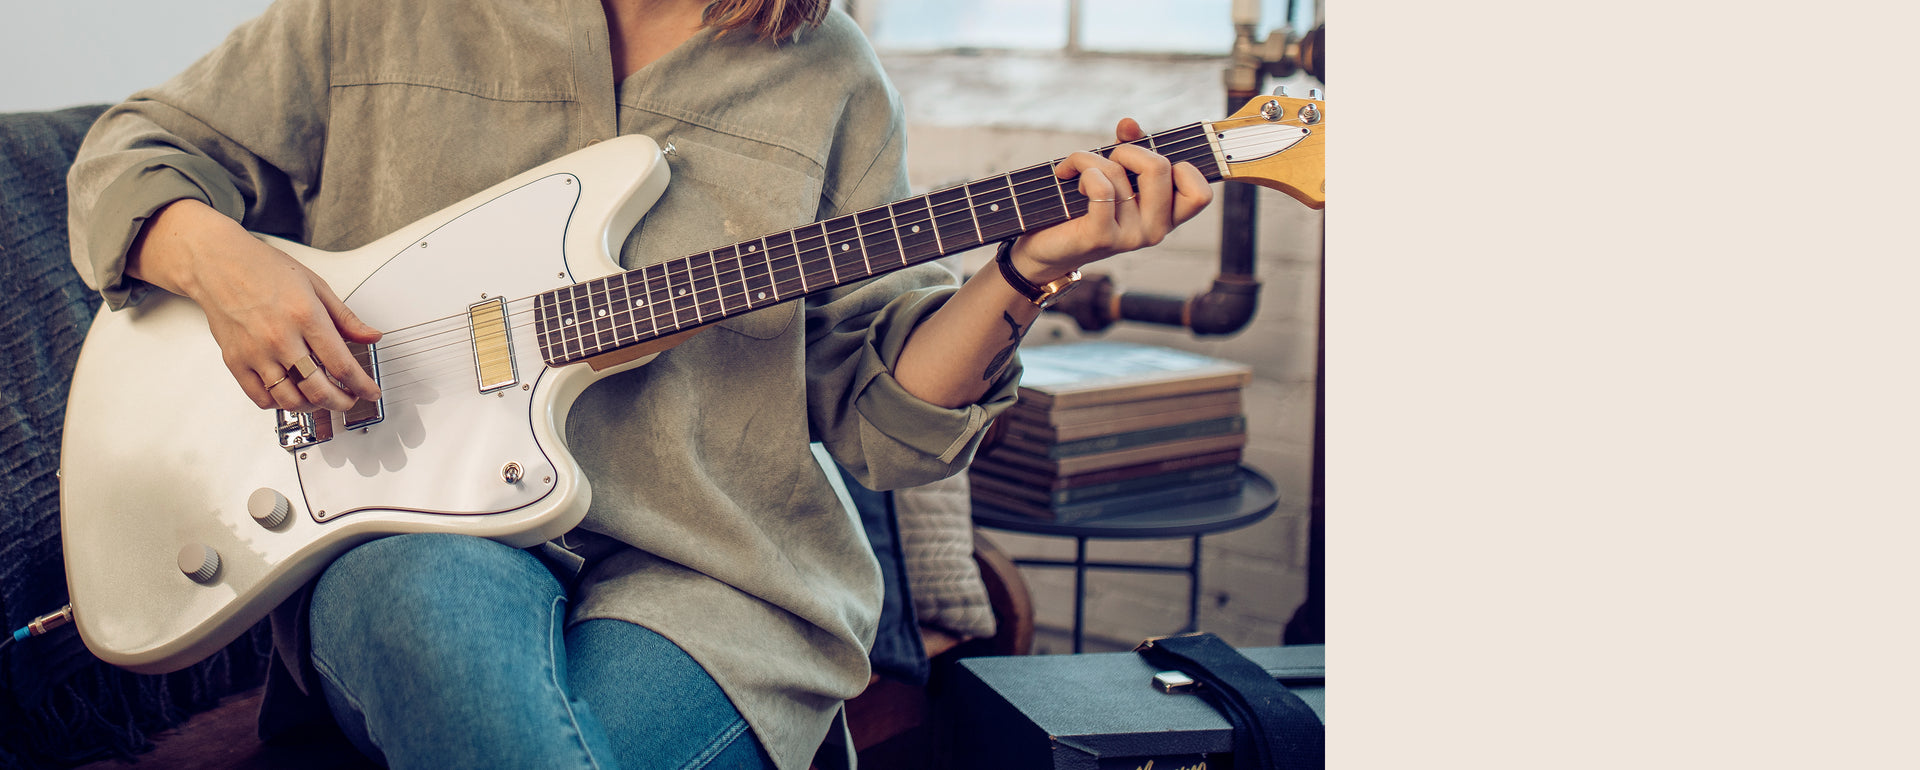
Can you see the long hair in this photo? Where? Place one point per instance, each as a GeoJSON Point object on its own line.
{"type": "Point", "coordinates": [768, 19]}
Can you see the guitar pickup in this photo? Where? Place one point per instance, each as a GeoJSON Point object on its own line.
{"type": "Point", "coordinates": [492, 345]}
{"type": "Point", "coordinates": [365, 413]}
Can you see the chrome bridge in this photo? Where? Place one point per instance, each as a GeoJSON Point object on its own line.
{"type": "Point", "coordinates": [298, 430]}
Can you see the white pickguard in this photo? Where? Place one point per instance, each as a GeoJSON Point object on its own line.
{"type": "Point", "coordinates": [443, 443]}
{"type": "Point", "coordinates": [162, 452]}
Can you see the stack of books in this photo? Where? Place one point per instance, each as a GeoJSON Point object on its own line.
{"type": "Point", "coordinates": [1108, 428]}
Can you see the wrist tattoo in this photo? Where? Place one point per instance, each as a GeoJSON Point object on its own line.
{"type": "Point", "coordinates": [1000, 359]}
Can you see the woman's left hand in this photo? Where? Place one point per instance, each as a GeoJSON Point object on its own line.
{"type": "Point", "coordinates": [1121, 217]}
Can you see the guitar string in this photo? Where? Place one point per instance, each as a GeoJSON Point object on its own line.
{"type": "Point", "coordinates": [1016, 191]}
{"type": "Point", "coordinates": [812, 256]}
{"type": "Point", "coordinates": [1193, 144]}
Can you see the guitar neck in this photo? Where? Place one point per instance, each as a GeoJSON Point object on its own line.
{"type": "Point", "coordinates": [594, 317]}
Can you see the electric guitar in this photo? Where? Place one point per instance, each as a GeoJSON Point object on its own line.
{"type": "Point", "coordinates": [187, 513]}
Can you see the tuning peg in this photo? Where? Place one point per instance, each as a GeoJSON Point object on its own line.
{"type": "Point", "coordinates": [1314, 94]}
{"type": "Point", "coordinates": [1279, 90]}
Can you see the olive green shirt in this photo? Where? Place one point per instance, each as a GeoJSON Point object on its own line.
{"type": "Point", "coordinates": [334, 122]}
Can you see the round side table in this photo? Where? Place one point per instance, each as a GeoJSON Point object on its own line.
{"type": "Point", "coordinates": [1257, 500]}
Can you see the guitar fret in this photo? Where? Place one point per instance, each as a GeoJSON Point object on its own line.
{"type": "Point", "coordinates": [860, 239]}
{"type": "Point", "coordinates": [1034, 196]}
{"type": "Point", "coordinates": [1015, 196]}
{"type": "Point", "coordinates": [543, 323]}
{"type": "Point", "coordinates": [705, 286]}
{"type": "Point", "coordinates": [810, 249]}
{"type": "Point", "coordinates": [840, 246]}
{"type": "Point", "coordinates": [659, 293]}
{"type": "Point", "coordinates": [756, 274]}
{"type": "Point", "coordinates": [994, 200]}
{"type": "Point", "coordinates": [576, 305]}
{"type": "Point", "coordinates": [784, 258]}
{"type": "Point", "coordinates": [893, 228]}
{"type": "Point", "coordinates": [919, 239]}
{"type": "Point", "coordinates": [948, 208]}
{"type": "Point", "coordinates": [877, 240]}
{"type": "Point", "coordinates": [716, 286]}
{"type": "Point", "coordinates": [602, 325]}
{"type": "Point", "coordinates": [631, 306]}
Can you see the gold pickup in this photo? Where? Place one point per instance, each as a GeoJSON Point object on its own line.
{"type": "Point", "coordinates": [492, 344]}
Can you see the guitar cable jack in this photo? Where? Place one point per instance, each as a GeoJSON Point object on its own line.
{"type": "Point", "coordinates": [40, 625]}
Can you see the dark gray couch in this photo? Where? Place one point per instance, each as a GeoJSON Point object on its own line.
{"type": "Point", "coordinates": [59, 706]}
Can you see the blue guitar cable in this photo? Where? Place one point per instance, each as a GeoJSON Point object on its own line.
{"type": "Point", "coordinates": [40, 625]}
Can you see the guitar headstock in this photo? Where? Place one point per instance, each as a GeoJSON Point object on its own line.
{"type": "Point", "coordinates": [1277, 142]}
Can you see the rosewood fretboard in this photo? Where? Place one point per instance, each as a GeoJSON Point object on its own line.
{"type": "Point", "coordinates": [587, 319]}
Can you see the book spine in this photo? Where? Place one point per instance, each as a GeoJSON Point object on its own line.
{"type": "Point", "coordinates": [1119, 505]}
{"type": "Point", "coordinates": [1226, 400]}
{"type": "Point", "coordinates": [983, 479]}
{"type": "Point", "coordinates": [1010, 454]}
{"type": "Point", "coordinates": [1094, 395]}
{"type": "Point", "coordinates": [1027, 427]}
{"type": "Point", "coordinates": [1052, 482]}
{"type": "Point", "coordinates": [1215, 427]}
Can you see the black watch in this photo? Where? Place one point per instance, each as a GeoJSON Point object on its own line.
{"type": "Point", "coordinates": [1041, 296]}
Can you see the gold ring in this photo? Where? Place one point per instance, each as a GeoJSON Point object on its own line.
{"type": "Point", "coordinates": [305, 366]}
{"type": "Point", "coordinates": [276, 383]}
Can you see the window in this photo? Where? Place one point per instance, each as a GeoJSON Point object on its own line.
{"type": "Point", "coordinates": [1195, 27]}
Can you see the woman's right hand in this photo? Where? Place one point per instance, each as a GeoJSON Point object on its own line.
{"type": "Point", "coordinates": [265, 309]}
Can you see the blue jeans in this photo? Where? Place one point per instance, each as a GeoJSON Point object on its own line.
{"type": "Point", "coordinates": [443, 651]}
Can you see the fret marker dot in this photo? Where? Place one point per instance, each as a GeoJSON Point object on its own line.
{"type": "Point", "coordinates": [683, 292]}
{"type": "Point", "coordinates": [751, 249]}
{"type": "Point", "coordinates": [994, 207]}
{"type": "Point", "coordinates": [916, 228]}
{"type": "Point", "coordinates": [639, 303]}
{"type": "Point", "coordinates": [844, 247]}
{"type": "Point", "coordinates": [761, 295]}
{"type": "Point", "coordinates": [568, 321]}
{"type": "Point", "coordinates": [603, 312]}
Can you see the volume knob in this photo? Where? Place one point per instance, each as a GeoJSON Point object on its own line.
{"type": "Point", "coordinates": [199, 562]}
{"type": "Point", "coordinates": [269, 508]}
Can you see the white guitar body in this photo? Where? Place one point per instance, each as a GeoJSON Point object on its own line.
{"type": "Point", "coordinates": [156, 474]}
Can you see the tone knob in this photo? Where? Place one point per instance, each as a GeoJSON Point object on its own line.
{"type": "Point", "coordinates": [269, 508]}
{"type": "Point", "coordinates": [199, 562]}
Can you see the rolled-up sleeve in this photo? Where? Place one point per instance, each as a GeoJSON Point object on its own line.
{"type": "Point", "coordinates": [241, 130]}
{"type": "Point", "coordinates": [103, 237]}
{"type": "Point", "coordinates": [887, 437]}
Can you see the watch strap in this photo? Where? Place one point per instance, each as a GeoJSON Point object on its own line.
{"type": "Point", "coordinates": [1042, 295]}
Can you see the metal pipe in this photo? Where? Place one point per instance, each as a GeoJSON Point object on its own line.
{"type": "Point", "coordinates": [1230, 304]}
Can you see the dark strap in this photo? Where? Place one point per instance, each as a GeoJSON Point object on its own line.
{"type": "Point", "coordinates": [1272, 728]}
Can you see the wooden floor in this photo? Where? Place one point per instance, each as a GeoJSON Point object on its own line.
{"type": "Point", "coordinates": [226, 737]}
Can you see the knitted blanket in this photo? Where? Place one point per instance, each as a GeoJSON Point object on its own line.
{"type": "Point", "coordinates": [60, 706]}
